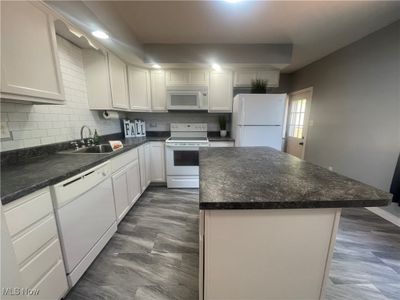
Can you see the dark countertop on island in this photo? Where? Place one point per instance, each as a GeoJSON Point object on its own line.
{"type": "Point", "coordinates": [18, 180]}
{"type": "Point", "coordinates": [264, 178]}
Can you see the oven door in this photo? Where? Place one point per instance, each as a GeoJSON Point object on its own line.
{"type": "Point", "coordinates": [182, 160]}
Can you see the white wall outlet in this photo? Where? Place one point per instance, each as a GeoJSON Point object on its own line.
{"type": "Point", "coordinates": [5, 131]}
{"type": "Point", "coordinates": [330, 168]}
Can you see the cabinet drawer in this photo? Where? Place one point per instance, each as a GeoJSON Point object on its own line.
{"type": "Point", "coordinates": [34, 239]}
{"type": "Point", "coordinates": [35, 269]}
{"type": "Point", "coordinates": [24, 212]}
{"type": "Point", "coordinates": [53, 285]}
{"type": "Point", "coordinates": [123, 159]}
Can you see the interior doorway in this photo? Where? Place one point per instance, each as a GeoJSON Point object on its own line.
{"type": "Point", "coordinates": [298, 121]}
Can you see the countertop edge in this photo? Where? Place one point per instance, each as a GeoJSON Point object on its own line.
{"type": "Point", "coordinates": [54, 180]}
{"type": "Point", "coordinates": [293, 204]}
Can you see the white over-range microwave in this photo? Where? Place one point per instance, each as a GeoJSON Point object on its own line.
{"type": "Point", "coordinates": [187, 98]}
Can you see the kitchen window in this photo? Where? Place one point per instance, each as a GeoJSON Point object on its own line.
{"type": "Point", "coordinates": [296, 118]}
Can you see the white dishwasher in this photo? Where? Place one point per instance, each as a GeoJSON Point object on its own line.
{"type": "Point", "coordinates": [86, 218]}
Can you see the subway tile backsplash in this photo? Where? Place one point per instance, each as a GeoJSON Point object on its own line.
{"type": "Point", "coordinates": [34, 125]}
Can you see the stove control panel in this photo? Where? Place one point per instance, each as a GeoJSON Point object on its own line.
{"type": "Point", "coordinates": [189, 127]}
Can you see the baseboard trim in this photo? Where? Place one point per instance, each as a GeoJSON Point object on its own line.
{"type": "Point", "coordinates": [384, 214]}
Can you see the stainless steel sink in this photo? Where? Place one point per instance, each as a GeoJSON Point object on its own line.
{"type": "Point", "coordinates": [97, 149]}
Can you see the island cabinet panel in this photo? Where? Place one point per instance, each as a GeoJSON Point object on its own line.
{"type": "Point", "coordinates": [30, 68]}
{"type": "Point", "coordinates": [266, 253]}
{"type": "Point", "coordinates": [158, 91]}
{"type": "Point", "coordinates": [139, 89]}
{"type": "Point", "coordinates": [222, 144]}
{"type": "Point", "coordinates": [220, 91]}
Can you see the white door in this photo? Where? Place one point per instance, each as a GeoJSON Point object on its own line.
{"type": "Point", "coordinates": [158, 91]}
{"type": "Point", "coordinates": [133, 180]}
{"type": "Point", "coordinates": [267, 109]}
{"type": "Point", "coordinates": [220, 91]}
{"type": "Point", "coordinates": [297, 122]}
{"type": "Point", "coordinates": [139, 89]}
{"type": "Point", "coordinates": [262, 136]}
{"type": "Point", "coordinates": [119, 82]}
{"type": "Point", "coordinates": [120, 189]}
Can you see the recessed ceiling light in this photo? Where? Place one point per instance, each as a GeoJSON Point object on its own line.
{"type": "Point", "coordinates": [100, 34]}
{"type": "Point", "coordinates": [232, 1]}
{"type": "Point", "coordinates": [216, 67]}
{"type": "Point", "coordinates": [156, 66]}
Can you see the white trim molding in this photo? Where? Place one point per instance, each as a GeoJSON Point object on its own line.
{"type": "Point", "coordinates": [386, 215]}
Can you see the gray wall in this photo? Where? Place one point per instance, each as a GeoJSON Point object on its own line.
{"type": "Point", "coordinates": [356, 108]}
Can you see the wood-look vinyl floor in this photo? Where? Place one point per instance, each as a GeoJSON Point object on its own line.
{"type": "Point", "coordinates": [154, 254]}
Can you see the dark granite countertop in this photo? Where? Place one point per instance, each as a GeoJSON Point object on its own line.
{"type": "Point", "coordinates": [22, 179]}
{"type": "Point", "coordinates": [264, 178]}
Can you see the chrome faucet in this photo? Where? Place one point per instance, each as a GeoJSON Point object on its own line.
{"type": "Point", "coordinates": [90, 134]}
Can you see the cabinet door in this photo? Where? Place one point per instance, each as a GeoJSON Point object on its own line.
{"type": "Point", "coordinates": [157, 162]}
{"type": "Point", "coordinates": [142, 168]}
{"type": "Point", "coordinates": [271, 76]}
{"type": "Point", "coordinates": [139, 89]}
{"type": "Point", "coordinates": [97, 79]}
{"type": "Point", "coordinates": [120, 189]}
{"type": "Point", "coordinates": [133, 180]}
{"type": "Point", "coordinates": [198, 77]}
{"type": "Point", "coordinates": [244, 77]}
{"type": "Point", "coordinates": [158, 91]}
{"type": "Point", "coordinates": [119, 82]}
{"type": "Point", "coordinates": [30, 68]}
{"type": "Point", "coordinates": [220, 92]}
{"type": "Point", "coordinates": [147, 155]}
{"type": "Point", "coordinates": [177, 77]}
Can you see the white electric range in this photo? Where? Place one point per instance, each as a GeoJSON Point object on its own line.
{"type": "Point", "coordinates": [182, 154]}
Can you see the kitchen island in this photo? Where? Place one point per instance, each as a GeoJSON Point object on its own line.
{"type": "Point", "coordinates": [268, 223]}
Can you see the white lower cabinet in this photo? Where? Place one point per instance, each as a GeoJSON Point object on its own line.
{"type": "Point", "coordinates": [126, 182]}
{"type": "Point", "coordinates": [36, 245]}
{"type": "Point", "coordinates": [157, 157]}
{"type": "Point", "coordinates": [120, 188]}
{"type": "Point", "coordinates": [147, 156]}
{"type": "Point", "coordinates": [142, 165]}
{"type": "Point", "coordinates": [133, 181]}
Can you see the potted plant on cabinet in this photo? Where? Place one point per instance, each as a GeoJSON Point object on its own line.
{"type": "Point", "coordinates": [222, 125]}
{"type": "Point", "coordinates": [258, 86]}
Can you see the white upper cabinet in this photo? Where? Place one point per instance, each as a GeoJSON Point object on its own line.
{"type": "Point", "coordinates": [220, 91]}
{"type": "Point", "coordinates": [30, 68]}
{"type": "Point", "coordinates": [158, 91]}
{"type": "Point", "coordinates": [97, 79]}
{"type": "Point", "coordinates": [187, 77]}
{"type": "Point", "coordinates": [139, 89]}
{"type": "Point", "coordinates": [243, 78]}
{"type": "Point", "coordinates": [198, 77]}
{"type": "Point", "coordinates": [119, 82]}
{"type": "Point", "coordinates": [106, 80]}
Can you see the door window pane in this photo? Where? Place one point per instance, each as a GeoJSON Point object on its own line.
{"type": "Point", "coordinates": [296, 118]}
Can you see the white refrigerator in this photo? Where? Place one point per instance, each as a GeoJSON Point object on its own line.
{"type": "Point", "coordinates": [258, 120]}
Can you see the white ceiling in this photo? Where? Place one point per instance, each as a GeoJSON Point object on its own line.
{"type": "Point", "coordinates": [315, 28]}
